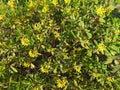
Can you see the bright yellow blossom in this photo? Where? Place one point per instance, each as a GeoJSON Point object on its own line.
{"type": "Point", "coordinates": [101, 11]}
{"type": "Point", "coordinates": [37, 26]}
{"type": "Point", "coordinates": [25, 41]}
{"type": "Point", "coordinates": [67, 1]}
{"type": "Point", "coordinates": [56, 34]}
{"type": "Point", "coordinates": [40, 38]}
{"type": "Point", "coordinates": [31, 3]}
{"type": "Point", "coordinates": [55, 2]}
{"type": "Point", "coordinates": [101, 47]}
{"type": "Point", "coordinates": [52, 50]}
{"type": "Point", "coordinates": [45, 8]}
{"type": "Point", "coordinates": [3, 44]}
{"type": "Point", "coordinates": [77, 68]}
{"type": "Point", "coordinates": [44, 69]}
{"type": "Point", "coordinates": [11, 3]}
{"type": "Point", "coordinates": [1, 17]}
{"type": "Point", "coordinates": [26, 64]}
{"type": "Point", "coordinates": [61, 83]}
{"type": "Point", "coordinates": [33, 53]}
{"type": "Point", "coordinates": [117, 32]}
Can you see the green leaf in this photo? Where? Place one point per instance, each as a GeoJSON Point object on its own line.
{"type": "Point", "coordinates": [89, 35]}
{"type": "Point", "coordinates": [3, 86]}
{"type": "Point", "coordinates": [111, 58]}
{"type": "Point", "coordinates": [75, 83]}
{"type": "Point", "coordinates": [108, 61]}
{"type": "Point", "coordinates": [116, 68]}
{"type": "Point", "coordinates": [116, 48]}
{"type": "Point", "coordinates": [118, 1]}
{"type": "Point", "coordinates": [13, 68]}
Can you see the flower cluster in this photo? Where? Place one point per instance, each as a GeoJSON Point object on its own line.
{"type": "Point", "coordinates": [11, 3]}
{"type": "Point", "coordinates": [101, 11]}
{"type": "Point", "coordinates": [61, 83]}
{"type": "Point", "coordinates": [59, 44]}
{"type": "Point", "coordinates": [33, 53]}
{"type": "Point", "coordinates": [25, 41]}
{"type": "Point", "coordinates": [101, 47]}
{"type": "Point", "coordinates": [37, 26]}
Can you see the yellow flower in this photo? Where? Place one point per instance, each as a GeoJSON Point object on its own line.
{"type": "Point", "coordinates": [33, 53]}
{"type": "Point", "coordinates": [44, 69]}
{"type": "Point", "coordinates": [26, 64]}
{"type": "Point", "coordinates": [101, 11]}
{"type": "Point", "coordinates": [45, 8]}
{"type": "Point", "coordinates": [101, 47]}
{"type": "Point", "coordinates": [39, 38]}
{"type": "Point", "coordinates": [96, 75]}
{"type": "Point", "coordinates": [31, 3]}
{"type": "Point", "coordinates": [3, 44]}
{"type": "Point", "coordinates": [77, 68]}
{"type": "Point", "coordinates": [25, 41]}
{"type": "Point", "coordinates": [1, 17]}
{"type": "Point", "coordinates": [117, 32]}
{"type": "Point", "coordinates": [61, 83]}
{"type": "Point", "coordinates": [51, 23]}
{"type": "Point", "coordinates": [11, 3]}
{"type": "Point", "coordinates": [67, 1]}
{"type": "Point", "coordinates": [55, 2]}
{"type": "Point", "coordinates": [110, 79]}
{"type": "Point", "coordinates": [51, 50]}
{"type": "Point", "coordinates": [37, 26]}
{"type": "Point", "coordinates": [56, 34]}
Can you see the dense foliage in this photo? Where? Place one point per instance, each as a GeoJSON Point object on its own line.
{"type": "Point", "coordinates": [59, 45]}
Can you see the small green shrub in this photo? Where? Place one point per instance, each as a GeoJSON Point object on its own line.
{"type": "Point", "coordinates": [59, 44]}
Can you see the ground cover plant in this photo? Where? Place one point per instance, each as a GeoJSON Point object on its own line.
{"type": "Point", "coordinates": [59, 45]}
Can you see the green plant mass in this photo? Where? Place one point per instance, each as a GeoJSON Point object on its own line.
{"type": "Point", "coordinates": [59, 45]}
